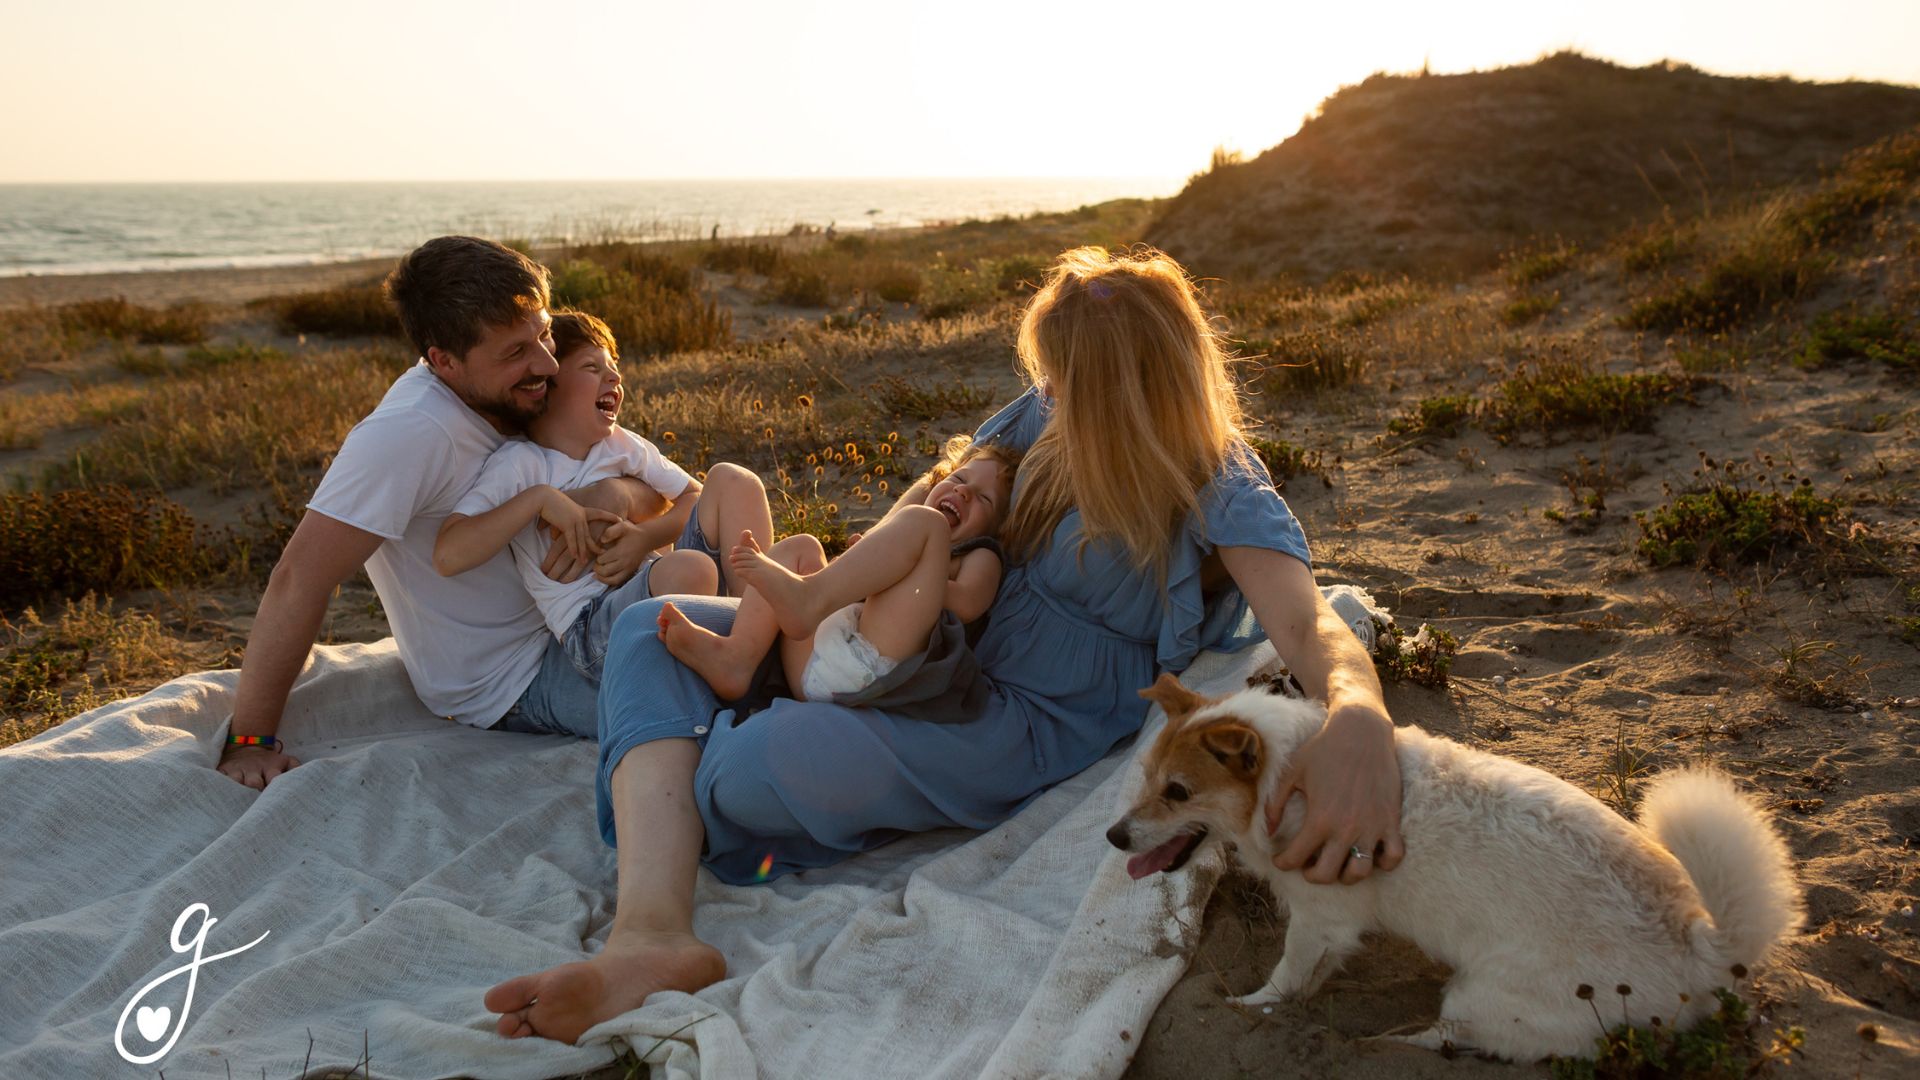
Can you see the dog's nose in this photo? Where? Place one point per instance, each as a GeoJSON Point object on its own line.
{"type": "Point", "coordinates": [1117, 836]}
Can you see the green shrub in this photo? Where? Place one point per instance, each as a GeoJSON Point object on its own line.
{"type": "Point", "coordinates": [1839, 336]}
{"type": "Point", "coordinates": [1727, 520]}
{"type": "Point", "coordinates": [897, 283]}
{"type": "Point", "coordinates": [1531, 266]}
{"type": "Point", "coordinates": [1749, 282]}
{"type": "Point", "coordinates": [1529, 308]}
{"type": "Point", "coordinates": [1720, 1047]}
{"type": "Point", "coordinates": [649, 320]}
{"type": "Point", "coordinates": [1557, 395]}
{"type": "Point", "coordinates": [346, 311]}
{"type": "Point", "coordinates": [103, 539]}
{"type": "Point", "coordinates": [1423, 658]}
{"type": "Point", "coordinates": [1284, 460]}
{"type": "Point", "coordinates": [1435, 417]}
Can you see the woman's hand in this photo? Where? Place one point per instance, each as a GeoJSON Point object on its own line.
{"type": "Point", "coordinates": [1350, 777]}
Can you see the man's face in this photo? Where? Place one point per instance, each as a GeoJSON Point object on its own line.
{"type": "Point", "coordinates": [504, 376]}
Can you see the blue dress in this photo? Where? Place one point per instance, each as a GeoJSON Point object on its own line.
{"type": "Point", "coordinates": [1074, 635]}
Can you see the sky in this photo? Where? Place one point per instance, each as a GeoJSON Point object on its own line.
{"type": "Point", "coordinates": [253, 90]}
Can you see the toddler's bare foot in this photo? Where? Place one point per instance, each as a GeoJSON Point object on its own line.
{"type": "Point", "coordinates": [727, 664]}
{"type": "Point", "coordinates": [561, 1003]}
{"type": "Point", "coordinates": [784, 591]}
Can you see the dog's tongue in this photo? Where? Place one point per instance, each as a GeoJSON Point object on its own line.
{"type": "Point", "coordinates": [1152, 862]}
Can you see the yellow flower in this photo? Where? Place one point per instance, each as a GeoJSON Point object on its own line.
{"type": "Point", "coordinates": [757, 406]}
{"type": "Point", "coordinates": [893, 436]}
{"type": "Point", "coordinates": [666, 436]}
{"type": "Point", "coordinates": [865, 498]}
{"type": "Point", "coordinates": [769, 433]}
{"type": "Point", "coordinates": [811, 458]}
{"type": "Point", "coordinates": [806, 401]}
{"type": "Point", "coordinates": [886, 448]}
{"type": "Point", "coordinates": [832, 509]}
{"type": "Point", "coordinates": [819, 470]}
{"type": "Point", "coordinates": [851, 448]}
{"type": "Point", "coordinates": [883, 487]}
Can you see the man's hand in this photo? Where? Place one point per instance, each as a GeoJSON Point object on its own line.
{"type": "Point", "coordinates": [255, 766]}
{"type": "Point", "coordinates": [572, 524]}
{"type": "Point", "coordinates": [624, 552]}
{"type": "Point", "coordinates": [1350, 777]}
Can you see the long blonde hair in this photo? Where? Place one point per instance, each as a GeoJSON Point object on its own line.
{"type": "Point", "coordinates": [1145, 412]}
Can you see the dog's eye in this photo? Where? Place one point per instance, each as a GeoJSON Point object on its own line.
{"type": "Point", "coordinates": [1176, 793]}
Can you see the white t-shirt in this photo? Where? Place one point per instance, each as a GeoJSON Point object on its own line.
{"type": "Point", "coordinates": [519, 465]}
{"type": "Point", "coordinates": [471, 642]}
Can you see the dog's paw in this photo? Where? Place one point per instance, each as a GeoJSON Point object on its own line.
{"type": "Point", "coordinates": [1266, 995]}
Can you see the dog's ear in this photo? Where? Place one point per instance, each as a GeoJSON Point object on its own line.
{"type": "Point", "coordinates": [1169, 694]}
{"type": "Point", "coordinates": [1235, 745]}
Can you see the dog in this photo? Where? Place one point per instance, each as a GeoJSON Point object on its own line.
{"type": "Point", "coordinates": [1530, 889]}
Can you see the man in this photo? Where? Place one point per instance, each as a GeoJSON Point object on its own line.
{"type": "Point", "coordinates": [474, 645]}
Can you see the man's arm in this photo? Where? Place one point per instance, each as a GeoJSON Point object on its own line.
{"type": "Point", "coordinates": [1349, 772]}
{"type": "Point", "coordinates": [624, 497]}
{"type": "Point", "coordinates": [628, 544]}
{"type": "Point", "coordinates": [322, 554]}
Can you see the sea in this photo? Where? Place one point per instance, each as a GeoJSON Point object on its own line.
{"type": "Point", "coordinates": [110, 228]}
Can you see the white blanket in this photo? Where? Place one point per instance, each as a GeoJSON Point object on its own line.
{"type": "Point", "coordinates": [411, 863]}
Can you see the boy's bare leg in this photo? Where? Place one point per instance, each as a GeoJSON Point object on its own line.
{"type": "Point", "coordinates": [651, 946]}
{"type": "Point", "coordinates": [728, 661]}
{"type": "Point", "coordinates": [683, 573]}
{"type": "Point", "coordinates": [884, 557]}
{"type": "Point", "coordinates": [734, 501]}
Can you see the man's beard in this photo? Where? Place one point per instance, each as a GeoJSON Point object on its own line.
{"type": "Point", "coordinates": [507, 412]}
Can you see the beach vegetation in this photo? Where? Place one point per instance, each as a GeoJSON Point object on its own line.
{"type": "Point", "coordinates": [1558, 393]}
{"type": "Point", "coordinates": [1725, 1045]}
{"type": "Point", "coordinates": [1435, 417]}
{"type": "Point", "coordinates": [1304, 363]}
{"type": "Point", "coordinates": [118, 318]}
{"type": "Point", "coordinates": [1878, 335]}
{"type": "Point", "coordinates": [98, 539]}
{"type": "Point", "coordinates": [346, 311]}
{"type": "Point", "coordinates": [1529, 307]}
{"type": "Point", "coordinates": [1535, 264]}
{"type": "Point", "coordinates": [1285, 460]}
{"type": "Point", "coordinates": [1731, 515]}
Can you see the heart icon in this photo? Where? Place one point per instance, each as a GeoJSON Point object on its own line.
{"type": "Point", "coordinates": [153, 1022]}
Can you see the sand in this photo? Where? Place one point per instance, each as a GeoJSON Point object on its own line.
{"type": "Point", "coordinates": [1582, 633]}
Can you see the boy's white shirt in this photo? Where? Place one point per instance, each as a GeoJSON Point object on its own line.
{"type": "Point", "coordinates": [519, 465]}
{"type": "Point", "coordinates": [471, 642]}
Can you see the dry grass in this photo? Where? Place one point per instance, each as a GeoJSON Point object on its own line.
{"type": "Point", "coordinates": [88, 655]}
{"type": "Point", "coordinates": [255, 425]}
{"type": "Point", "coordinates": [27, 418]}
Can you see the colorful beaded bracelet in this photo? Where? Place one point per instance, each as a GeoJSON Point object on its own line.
{"type": "Point", "coordinates": [267, 741]}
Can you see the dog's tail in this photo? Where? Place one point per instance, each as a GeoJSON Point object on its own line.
{"type": "Point", "coordinates": [1737, 862]}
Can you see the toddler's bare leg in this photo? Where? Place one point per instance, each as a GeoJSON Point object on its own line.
{"type": "Point", "coordinates": [734, 500]}
{"type": "Point", "coordinates": [728, 661]}
{"type": "Point", "coordinates": [883, 558]}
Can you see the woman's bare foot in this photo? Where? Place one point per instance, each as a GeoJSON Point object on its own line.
{"type": "Point", "coordinates": [727, 663]}
{"type": "Point", "coordinates": [784, 591]}
{"type": "Point", "coordinates": [561, 1003]}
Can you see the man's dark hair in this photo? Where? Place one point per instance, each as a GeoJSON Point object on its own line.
{"type": "Point", "coordinates": [451, 288]}
{"type": "Point", "coordinates": [577, 329]}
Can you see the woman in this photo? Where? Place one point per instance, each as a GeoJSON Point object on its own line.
{"type": "Point", "coordinates": [1143, 531]}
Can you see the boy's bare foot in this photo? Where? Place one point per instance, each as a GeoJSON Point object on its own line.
{"type": "Point", "coordinates": [726, 663]}
{"type": "Point", "coordinates": [562, 1002]}
{"type": "Point", "coordinates": [784, 591]}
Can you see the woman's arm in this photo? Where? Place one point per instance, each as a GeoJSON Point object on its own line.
{"type": "Point", "coordinates": [970, 593]}
{"type": "Point", "coordinates": [1349, 772]}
